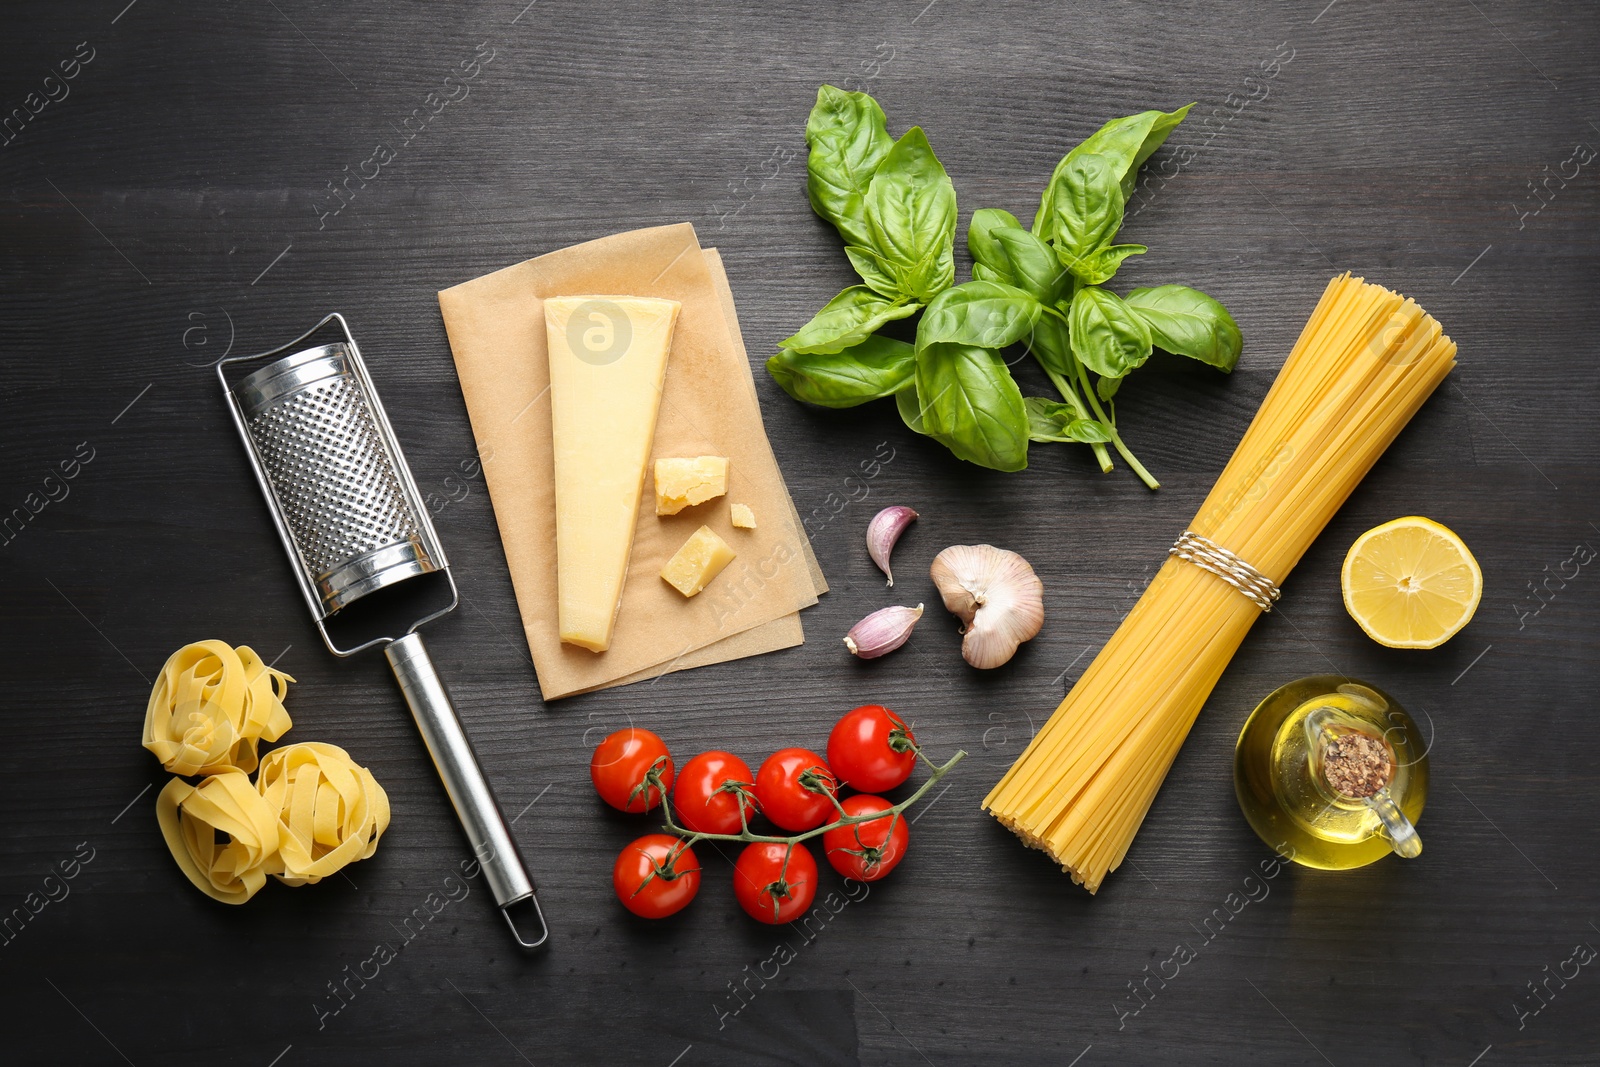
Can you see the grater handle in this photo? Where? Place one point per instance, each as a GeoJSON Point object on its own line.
{"type": "Point", "coordinates": [487, 832]}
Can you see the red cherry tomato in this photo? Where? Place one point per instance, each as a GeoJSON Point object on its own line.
{"type": "Point", "coordinates": [871, 749]}
{"type": "Point", "coordinates": [656, 876]}
{"type": "Point", "coordinates": [774, 882]}
{"type": "Point", "coordinates": [866, 851]}
{"type": "Point", "coordinates": [783, 795]}
{"type": "Point", "coordinates": [619, 765]}
{"type": "Point", "coordinates": [706, 796]}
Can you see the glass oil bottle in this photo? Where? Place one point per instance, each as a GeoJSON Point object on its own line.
{"type": "Point", "coordinates": [1332, 773]}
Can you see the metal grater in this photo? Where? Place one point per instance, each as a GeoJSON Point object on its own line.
{"type": "Point", "coordinates": [350, 517]}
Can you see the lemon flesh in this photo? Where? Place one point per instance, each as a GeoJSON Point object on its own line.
{"type": "Point", "coordinates": [1411, 583]}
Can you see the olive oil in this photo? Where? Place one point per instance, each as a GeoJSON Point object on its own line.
{"type": "Point", "coordinates": [1286, 789]}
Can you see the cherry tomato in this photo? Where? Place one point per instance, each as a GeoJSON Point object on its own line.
{"type": "Point", "coordinates": [775, 882]}
{"type": "Point", "coordinates": [783, 796]}
{"type": "Point", "coordinates": [866, 851]}
{"type": "Point", "coordinates": [871, 749]}
{"type": "Point", "coordinates": [618, 769]}
{"type": "Point", "coordinates": [656, 876]}
{"type": "Point", "coordinates": [706, 796]}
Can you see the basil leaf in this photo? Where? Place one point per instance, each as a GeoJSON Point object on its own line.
{"type": "Point", "coordinates": [1088, 431]}
{"type": "Point", "coordinates": [1187, 322]}
{"type": "Point", "coordinates": [911, 216]}
{"type": "Point", "coordinates": [986, 222]}
{"type": "Point", "coordinates": [1108, 337]}
{"type": "Point", "coordinates": [1047, 419]}
{"type": "Point", "coordinates": [986, 314]}
{"type": "Point", "coordinates": [848, 139]}
{"type": "Point", "coordinates": [1088, 209]}
{"type": "Point", "coordinates": [873, 271]}
{"type": "Point", "coordinates": [872, 369]}
{"type": "Point", "coordinates": [1101, 266]}
{"type": "Point", "coordinates": [1106, 388]}
{"type": "Point", "coordinates": [935, 273]}
{"type": "Point", "coordinates": [1052, 421]}
{"type": "Point", "coordinates": [1051, 345]}
{"type": "Point", "coordinates": [981, 273]}
{"type": "Point", "coordinates": [971, 404]}
{"type": "Point", "coordinates": [909, 405]}
{"type": "Point", "coordinates": [846, 320]}
{"type": "Point", "coordinates": [1032, 263]}
{"type": "Point", "coordinates": [1128, 141]}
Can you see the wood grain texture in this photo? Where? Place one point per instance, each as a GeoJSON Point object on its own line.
{"type": "Point", "coordinates": [168, 207]}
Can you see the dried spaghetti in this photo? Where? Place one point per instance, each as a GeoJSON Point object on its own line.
{"type": "Point", "coordinates": [1363, 365]}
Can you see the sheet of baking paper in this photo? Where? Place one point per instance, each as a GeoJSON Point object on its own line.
{"type": "Point", "coordinates": [496, 329]}
{"type": "Point", "coordinates": [768, 637]}
{"type": "Point", "coordinates": [714, 260]}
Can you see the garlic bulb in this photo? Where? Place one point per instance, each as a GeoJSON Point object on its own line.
{"type": "Point", "coordinates": [997, 597]}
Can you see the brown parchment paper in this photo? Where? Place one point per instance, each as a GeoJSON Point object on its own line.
{"type": "Point", "coordinates": [768, 637]}
{"type": "Point", "coordinates": [497, 334]}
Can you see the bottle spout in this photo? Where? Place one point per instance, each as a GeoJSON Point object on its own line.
{"type": "Point", "coordinates": [1396, 827]}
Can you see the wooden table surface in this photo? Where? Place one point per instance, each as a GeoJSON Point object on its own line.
{"type": "Point", "coordinates": [171, 202]}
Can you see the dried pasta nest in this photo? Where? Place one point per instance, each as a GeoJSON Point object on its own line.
{"type": "Point", "coordinates": [191, 817]}
{"type": "Point", "coordinates": [311, 810]}
{"type": "Point", "coordinates": [330, 812]}
{"type": "Point", "coordinates": [210, 707]}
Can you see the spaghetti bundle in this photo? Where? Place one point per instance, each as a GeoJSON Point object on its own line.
{"type": "Point", "coordinates": [1363, 365]}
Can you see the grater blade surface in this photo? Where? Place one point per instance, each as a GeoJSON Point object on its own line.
{"type": "Point", "coordinates": [337, 482]}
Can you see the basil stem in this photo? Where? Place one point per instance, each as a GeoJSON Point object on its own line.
{"type": "Point", "coordinates": [1116, 439]}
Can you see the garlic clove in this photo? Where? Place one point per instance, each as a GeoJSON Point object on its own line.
{"type": "Point", "coordinates": [997, 597]}
{"type": "Point", "coordinates": [882, 533]}
{"type": "Point", "coordinates": [882, 632]}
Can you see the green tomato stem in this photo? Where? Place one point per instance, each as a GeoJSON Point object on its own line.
{"type": "Point", "coordinates": [1116, 439]}
{"type": "Point", "coordinates": [693, 838]}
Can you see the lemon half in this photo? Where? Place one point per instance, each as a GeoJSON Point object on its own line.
{"type": "Point", "coordinates": [1411, 583]}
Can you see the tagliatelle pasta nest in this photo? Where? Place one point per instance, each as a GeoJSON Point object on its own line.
{"type": "Point", "coordinates": [227, 802]}
{"type": "Point", "coordinates": [330, 811]}
{"type": "Point", "coordinates": [311, 811]}
{"type": "Point", "coordinates": [210, 707]}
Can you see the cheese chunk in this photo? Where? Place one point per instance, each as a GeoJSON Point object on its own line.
{"type": "Point", "coordinates": [742, 516]}
{"type": "Point", "coordinates": [685, 482]}
{"type": "Point", "coordinates": [608, 357]}
{"type": "Point", "coordinates": [701, 559]}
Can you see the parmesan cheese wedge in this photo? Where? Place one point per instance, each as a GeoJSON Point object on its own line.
{"type": "Point", "coordinates": [701, 559]}
{"type": "Point", "coordinates": [608, 358]}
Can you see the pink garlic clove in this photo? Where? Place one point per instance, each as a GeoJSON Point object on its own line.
{"type": "Point", "coordinates": [882, 533]}
{"type": "Point", "coordinates": [882, 632]}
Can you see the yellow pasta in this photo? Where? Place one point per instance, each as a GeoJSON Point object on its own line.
{"type": "Point", "coordinates": [330, 812]}
{"type": "Point", "coordinates": [1364, 363]}
{"type": "Point", "coordinates": [211, 705]}
{"type": "Point", "coordinates": [311, 810]}
{"type": "Point", "coordinates": [191, 816]}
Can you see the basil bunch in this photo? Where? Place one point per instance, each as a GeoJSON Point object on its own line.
{"type": "Point", "coordinates": [895, 207]}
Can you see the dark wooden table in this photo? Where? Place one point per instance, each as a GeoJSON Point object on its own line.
{"type": "Point", "coordinates": [174, 203]}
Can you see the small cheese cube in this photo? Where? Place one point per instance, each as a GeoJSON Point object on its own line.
{"type": "Point", "coordinates": [742, 516]}
{"type": "Point", "coordinates": [686, 481]}
{"type": "Point", "coordinates": [701, 559]}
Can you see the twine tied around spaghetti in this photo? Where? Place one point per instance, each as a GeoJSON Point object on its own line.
{"type": "Point", "coordinates": [1210, 556]}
